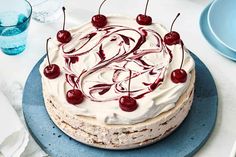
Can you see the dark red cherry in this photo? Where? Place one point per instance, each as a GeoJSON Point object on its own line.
{"type": "Point", "coordinates": [51, 71]}
{"type": "Point", "coordinates": [99, 21]}
{"type": "Point", "coordinates": [128, 103]}
{"type": "Point", "coordinates": [144, 19]}
{"type": "Point", "coordinates": [179, 76]}
{"type": "Point", "coordinates": [74, 96]}
{"type": "Point", "coordinates": [64, 36]}
{"type": "Point", "coordinates": [172, 38]}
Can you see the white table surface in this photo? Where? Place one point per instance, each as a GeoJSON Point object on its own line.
{"type": "Point", "coordinates": [163, 11]}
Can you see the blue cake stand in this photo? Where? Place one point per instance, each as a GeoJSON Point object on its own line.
{"type": "Point", "coordinates": [185, 141]}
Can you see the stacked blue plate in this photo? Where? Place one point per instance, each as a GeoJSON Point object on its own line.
{"type": "Point", "coordinates": [218, 25]}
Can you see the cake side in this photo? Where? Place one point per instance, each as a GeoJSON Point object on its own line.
{"type": "Point", "coordinates": [89, 131]}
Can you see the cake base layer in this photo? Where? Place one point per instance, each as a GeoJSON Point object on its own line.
{"type": "Point", "coordinates": [89, 131]}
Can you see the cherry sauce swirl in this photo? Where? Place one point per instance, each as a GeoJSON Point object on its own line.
{"type": "Point", "coordinates": [117, 50]}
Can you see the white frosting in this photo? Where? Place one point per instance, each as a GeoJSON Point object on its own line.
{"type": "Point", "coordinates": [105, 107]}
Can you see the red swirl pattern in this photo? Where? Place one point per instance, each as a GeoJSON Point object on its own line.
{"type": "Point", "coordinates": [125, 53]}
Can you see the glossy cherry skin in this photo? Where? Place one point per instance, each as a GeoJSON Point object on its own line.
{"type": "Point", "coordinates": [172, 38]}
{"type": "Point", "coordinates": [99, 20]}
{"type": "Point", "coordinates": [52, 71]}
{"type": "Point", "coordinates": [144, 19]}
{"type": "Point", "coordinates": [64, 36]}
{"type": "Point", "coordinates": [74, 96]}
{"type": "Point", "coordinates": [179, 76]}
{"type": "Point", "coordinates": [128, 103]}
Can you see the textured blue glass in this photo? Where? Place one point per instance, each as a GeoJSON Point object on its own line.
{"type": "Point", "coordinates": [14, 22]}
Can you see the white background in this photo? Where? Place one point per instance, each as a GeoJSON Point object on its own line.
{"type": "Point", "coordinates": [162, 11]}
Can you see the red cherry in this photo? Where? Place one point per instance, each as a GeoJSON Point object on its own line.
{"type": "Point", "coordinates": [99, 21]}
{"type": "Point", "coordinates": [51, 71]}
{"type": "Point", "coordinates": [74, 96]}
{"type": "Point", "coordinates": [144, 19]}
{"type": "Point", "coordinates": [179, 76]}
{"type": "Point", "coordinates": [172, 38]}
{"type": "Point", "coordinates": [64, 36]}
{"type": "Point", "coordinates": [128, 103]}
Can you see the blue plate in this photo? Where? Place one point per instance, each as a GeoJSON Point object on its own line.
{"type": "Point", "coordinates": [221, 49]}
{"type": "Point", "coordinates": [185, 141]}
{"type": "Point", "coordinates": [222, 22]}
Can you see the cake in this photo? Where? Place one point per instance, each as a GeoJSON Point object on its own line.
{"type": "Point", "coordinates": [118, 86]}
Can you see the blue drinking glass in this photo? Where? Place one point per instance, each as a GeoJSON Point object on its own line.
{"type": "Point", "coordinates": [14, 21]}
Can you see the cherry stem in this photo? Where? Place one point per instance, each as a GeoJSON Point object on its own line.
{"type": "Point", "coordinates": [47, 51]}
{"type": "Point", "coordinates": [130, 74]}
{"type": "Point", "coordinates": [174, 21]}
{"type": "Point", "coordinates": [64, 22]}
{"type": "Point", "coordinates": [182, 46]}
{"type": "Point", "coordinates": [145, 13]}
{"type": "Point", "coordinates": [99, 10]}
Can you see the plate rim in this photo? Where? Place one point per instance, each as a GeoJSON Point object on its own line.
{"type": "Point", "coordinates": [209, 19]}
{"type": "Point", "coordinates": [223, 51]}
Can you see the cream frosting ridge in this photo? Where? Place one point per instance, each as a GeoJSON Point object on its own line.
{"type": "Point", "coordinates": [98, 61]}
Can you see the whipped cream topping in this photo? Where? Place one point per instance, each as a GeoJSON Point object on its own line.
{"type": "Point", "coordinates": [98, 61]}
